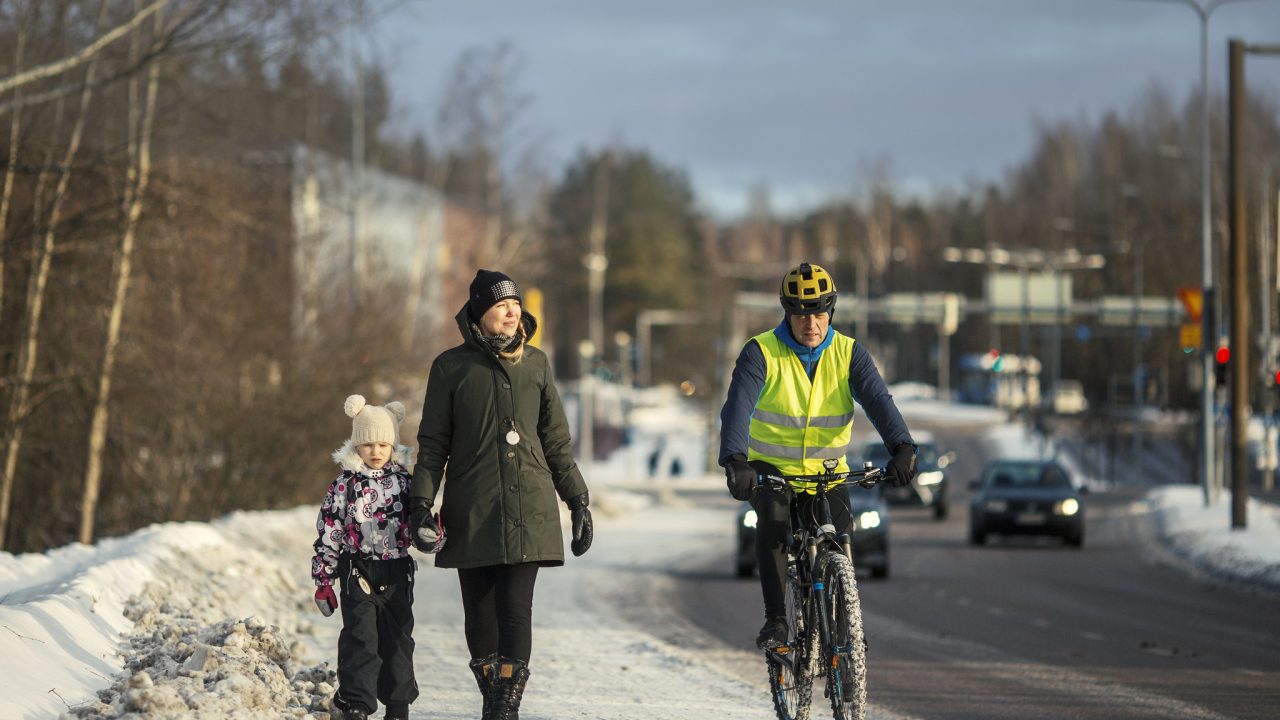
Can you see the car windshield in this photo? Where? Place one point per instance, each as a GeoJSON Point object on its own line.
{"type": "Point", "coordinates": [1026, 475]}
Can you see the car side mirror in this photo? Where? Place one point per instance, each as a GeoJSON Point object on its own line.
{"type": "Point", "coordinates": [1083, 489]}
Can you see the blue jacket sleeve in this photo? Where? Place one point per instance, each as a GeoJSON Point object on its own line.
{"type": "Point", "coordinates": [870, 392]}
{"type": "Point", "coordinates": [744, 393]}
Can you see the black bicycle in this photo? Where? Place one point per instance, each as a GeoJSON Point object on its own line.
{"type": "Point", "coordinates": [824, 614]}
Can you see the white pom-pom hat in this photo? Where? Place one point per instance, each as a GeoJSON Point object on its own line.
{"type": "Point", "coordinates": [371, 423]}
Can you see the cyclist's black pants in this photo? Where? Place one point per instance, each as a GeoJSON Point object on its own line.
{"type": "Point", "coordinates": [497, 604]}
{"type": "Point", "coordinates": [773, 532]}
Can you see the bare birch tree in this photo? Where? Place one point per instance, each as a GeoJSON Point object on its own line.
{"type": "Point", "coordinates": [11, 168]}
{"type": "Point", "coordinates": [18, 406]}
{"type": "Point", "coordinates": [135, 190]}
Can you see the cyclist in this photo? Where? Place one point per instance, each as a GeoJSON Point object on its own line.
{"type": "Point", "coordinates": [790, 406]}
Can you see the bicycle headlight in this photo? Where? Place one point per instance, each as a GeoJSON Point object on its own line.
{"type": "Point", "coordinates": [1070, 506]}
{"type": "Point", "coordinates": [869, 519]}
{"type": "Point", "coordinates": [749, 519]}
{"type": "Point", "coordinates": [933, 477]}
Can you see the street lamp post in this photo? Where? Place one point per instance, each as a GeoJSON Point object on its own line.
{"type": "Point", "coordinates": [1208, 320]}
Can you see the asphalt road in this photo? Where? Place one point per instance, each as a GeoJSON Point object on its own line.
{"type": "Point", "coordinates": [1026, 629]}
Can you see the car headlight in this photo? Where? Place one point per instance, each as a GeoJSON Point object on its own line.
{"type": "Point", "coordinates": [869, 519]}
{"type": "Point", "coordinates": [749, 520]}
{"type": "Point", "coordinates": [1070, 506]}
{"type": "Point", "coordinates": [933, 477]}
{"type": "Point", "coordinates": [997, 506]}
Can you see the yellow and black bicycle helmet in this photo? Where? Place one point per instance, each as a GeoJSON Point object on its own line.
{"type": "Point", "coordinates": [807, 290]}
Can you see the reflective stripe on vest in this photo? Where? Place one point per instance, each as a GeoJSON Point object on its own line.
{"type": "Point", "coordinates": [798, 423]}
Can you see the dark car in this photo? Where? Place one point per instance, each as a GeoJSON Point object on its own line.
{"type": "Point", "coordinates": [929, 488]}
{"type": "Point", "coordinates": [1026, 497]}
{"type": "Point", "coordinates": [870, 536]}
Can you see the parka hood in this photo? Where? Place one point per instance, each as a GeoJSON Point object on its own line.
{"type": "Point", "coordinates": [348, 459]}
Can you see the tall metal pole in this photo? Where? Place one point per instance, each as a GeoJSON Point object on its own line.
{"type": "Point", "coordinates": [597, 261]}
{"type": "Point", "coordinates": [1208, 331]}
{"type": "Point", "coordinates": [1266, 366]}
{"type": "Point", "coordinates": [1239, 282]}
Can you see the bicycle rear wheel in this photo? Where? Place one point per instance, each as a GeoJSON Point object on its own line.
{"type": "Point", "coordinates": [792, 669]}
{"type": "Point", "coordinates": [845, 657]}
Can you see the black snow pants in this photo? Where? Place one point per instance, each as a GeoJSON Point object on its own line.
{"type": "Point", "coordinates": [375, 648]}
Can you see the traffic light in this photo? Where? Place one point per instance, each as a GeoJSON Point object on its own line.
{"type": "Point", "coordinates": [994, 360]}
{"type": "Point", "coordinates": [1222, 362]}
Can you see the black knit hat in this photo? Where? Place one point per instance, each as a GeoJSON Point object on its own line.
{"type": "Point", "coordinates": [489, 288]}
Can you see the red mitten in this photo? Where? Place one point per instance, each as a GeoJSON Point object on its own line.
{"type": "Point", "coordinates": [326, 600]}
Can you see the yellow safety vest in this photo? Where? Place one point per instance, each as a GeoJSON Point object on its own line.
{"type": "Point", "coordinates": [797, 422]}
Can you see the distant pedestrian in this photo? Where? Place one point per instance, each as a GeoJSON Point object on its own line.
{"type": "Point", "coordinates": [364, 544]}
{"type": "Point", "coordinates": [494, 442]}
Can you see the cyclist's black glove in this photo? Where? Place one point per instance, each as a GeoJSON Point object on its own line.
{"type": "Point", "coordinates": [740, 478]}
{"type": "Point", "coordinates": [902, 466]}
{"type": "Point", "coordinates": [582, 530]}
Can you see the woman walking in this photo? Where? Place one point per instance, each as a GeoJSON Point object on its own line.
{"type": "Point", "coordinates": [492, 418]}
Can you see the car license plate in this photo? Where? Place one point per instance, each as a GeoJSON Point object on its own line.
{"type": "Point", "coordinates": [1031, 519]}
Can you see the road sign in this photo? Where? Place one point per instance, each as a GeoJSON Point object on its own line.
{"type": "Point", "coordinates": [1193, 300]}
{"type": "Point", "coordinates": [1189, 336]}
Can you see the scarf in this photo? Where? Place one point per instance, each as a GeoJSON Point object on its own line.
{"type": "Point", "coordinates": [507, 347]}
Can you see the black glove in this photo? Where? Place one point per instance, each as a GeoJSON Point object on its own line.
{"type": "Point", "coordinates": [741, 479]}
{"type": "Point", "coordinates": [582, 532]}
{"type": "Point", "coordinates": [902, 466]}
{"type": "Point", "coordinates": [424, 528]}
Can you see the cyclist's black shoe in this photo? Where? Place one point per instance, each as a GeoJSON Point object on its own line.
{"type": "Point", "coordinates": [773, 634]}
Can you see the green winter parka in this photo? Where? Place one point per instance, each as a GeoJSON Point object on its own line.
{"type": "Point", "coordinates": [500, 503]}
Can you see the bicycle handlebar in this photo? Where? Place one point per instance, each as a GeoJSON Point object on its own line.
{"type": "Point", "coordinates": [867, 477]}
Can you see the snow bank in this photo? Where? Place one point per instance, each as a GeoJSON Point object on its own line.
{"type": "Point", "coordinates": [1203, 535]}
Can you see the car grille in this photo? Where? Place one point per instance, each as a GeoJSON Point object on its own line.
{"type": "Point", "coordinates": [1029, 506]}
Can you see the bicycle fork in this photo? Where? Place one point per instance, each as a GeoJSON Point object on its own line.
{"type": "Point", "coordinates": [819, 597]}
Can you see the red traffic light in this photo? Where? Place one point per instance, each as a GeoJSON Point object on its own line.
{"type": "Point", "coordinates": [1277, 378]}
{"type": "Point", "coordinates": [1223, 355]}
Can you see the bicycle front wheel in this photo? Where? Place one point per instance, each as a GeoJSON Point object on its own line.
{"type": "Point", "coordinates": [792, 669]}
{"type": "Point", "coordinates": [845, 653]}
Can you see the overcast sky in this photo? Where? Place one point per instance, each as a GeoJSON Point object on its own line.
{"type": "Point", "coordinates": [804, 96]}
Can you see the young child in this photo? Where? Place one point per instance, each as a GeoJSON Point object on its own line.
{"type": "Point", "coordinates": [364, 542]}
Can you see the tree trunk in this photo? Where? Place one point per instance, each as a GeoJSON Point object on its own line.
{"type": "Point", "coordinates": [18, 408]}
{"type": "Point", "coordinates": [14, 125]}
{"type": "Point", "coordinates": [135, 190]}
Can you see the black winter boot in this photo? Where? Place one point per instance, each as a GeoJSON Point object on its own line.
{"type": "Point", "coordinates": [482, 668]}
{"type": "Point", "coordinates": [339, 710]}
{"type": "Point", "coordinates": [506, 688]}
{"type": "Point", "coordinates": [397, 711]}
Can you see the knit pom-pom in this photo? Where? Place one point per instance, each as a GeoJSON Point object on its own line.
{"type": "Point", "coordinates": [353, 405]}
{"type": "Point", "coordinates": [396, 409]}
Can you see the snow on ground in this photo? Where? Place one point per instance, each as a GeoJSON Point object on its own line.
{"type": "Point", "coordinates": [1203, 535]}
{"type": "Point", "coordinates": [215, 620]}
